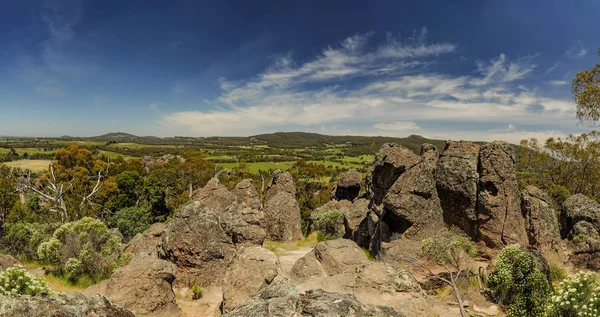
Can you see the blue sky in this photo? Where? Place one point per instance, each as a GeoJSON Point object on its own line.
{"type": "Point", "coordinates": [468, 70]}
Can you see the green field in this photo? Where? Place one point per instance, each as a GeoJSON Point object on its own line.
{"type": "Point", "coordinates": [261, 166]}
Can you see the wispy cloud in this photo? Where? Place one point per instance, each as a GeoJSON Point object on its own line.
{"type": "Point", "coordinates": [578, 50]}
{"type": "Point", "coordinates": [344, 86]}
{"type": "Point", "coordinates": [558, 82]}
{"type": "Point", "coordinates": [551, 69]}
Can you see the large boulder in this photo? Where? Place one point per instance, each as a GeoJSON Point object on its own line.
{"type": "Point", "coordinates": [354, 215]}
{"type": "Point", "coordinates": [251, 270]}
{"type": "Point", "coordinates": [348, 186]}
{"type": "Point", "coordinates": [282, 212]}
{"type": "Point", "coordinates": [143, 286]}
{"type": "Point", "coordinates": [500, 221]}
{"type": "Point", "coordinates": [248, 226]}
{"type": "Point", "coordinates": [281, 182]}
{"type": "Point", "coordinates": [60, 305]}
{"type": "Point", "coordinates": [279, 299]}
{"type": "Point", "coordinates": [430, 153]}
{"type": "Point", "coordinates": [541, 217]}
{"type": "Point", "coordinates": [199, 241]}
{"type": "Point", "coordinates": [318, 303]}
{"type": "Point", "coordinates": [282, 299]}
{"type": "Point", "coordinates": [404, 195]}
{"type": "Point", "coordinates": [456, 179]}
{"type": "Point", "coordinates": [215, 195]}
{"type": "Point", "coordinates": [247, 196]}
{"type": "Point", "coordinates": [148, 241]}
{"type": "Point", "coordinates": [580, 216]}
{"type": "Point", "coordinates": [390, 162]}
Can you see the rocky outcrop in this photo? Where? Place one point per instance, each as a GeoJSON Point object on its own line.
{"type": "Point", "coordinates": [540, 216]}
{"type": "Point", "coordinates": [282, 299]}
{"type": "Point", "coordinates": [251, 270]}
{"type": "Point", "coordinates": [342, 265]}
{"type": "Point", "coordinates": [348, 186]}
{"type": "Point", "coordinates": [276, 300]}
{"type": "Point", "coordinates": [282, 212]}
{"type": "Point", "coordinates": [144, 286]}
{"type": "Point", "coordinates": [500, 221]}
{"type": "Point", "coordinates": [248, 226]}
{"type": "Point", "coordinates": [430, 153]}
{"type": "Point", "coordinates": [319, 303]}
{"type": "Point", "coordinates": [247, 196]}
{"type": "Point", "coordinates": [457, 180]}
{"type": "Point", "coordinates": [199, 241]}
{"type": "Point", "coordinates": [148, 241]}
{"type": "Point", "coordinates": [282, 182]}
{"type": "Point", "coordinates": [215, 195]}
{"type": "Point", "coordinates": [60, 305]}
{"type": "Point", "coordinates": [580, 216]}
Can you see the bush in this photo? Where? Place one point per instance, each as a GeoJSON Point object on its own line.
{"type": "Point", "coordinates": [82, 248]}
{"type": "Point", "coordinates": [558, 193]}
{"type": "Point", "coordinates": [322, 236]}
{"type": "Point", "coordinates": [329, 222]}
{"type": "Point", "coordinates": [579, 295]}
{"type": "Point", "coordinates": [17, 281]}
{"type": "Point", "coordinates": [132, 220]}
{"type": "Point", "coordinates": [557, 272]}
{"type": "Point", "coordinates": [197, 292]}
{"type": "Point", "coordinates": [518, 282]}
{"type": "Point", "coordinates": [22, 239]}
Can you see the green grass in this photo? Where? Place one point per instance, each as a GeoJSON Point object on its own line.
{"type": "Point", "coordinates": [264, 166]}
{"type": "Point", "coordinates": [135, 146]}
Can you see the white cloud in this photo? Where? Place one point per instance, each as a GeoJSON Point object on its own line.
{"type": "Point", "coordinates": [350, 85]}
{"type": "Point", "coordinates": [551, 69]}
{"type": "Point", "coordinates": [398, 126]}
{"type": "Point", "coordinates": [558, 82]}
{"type": "Point", "coordinates": [578, 50]}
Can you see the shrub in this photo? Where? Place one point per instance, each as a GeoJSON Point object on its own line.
{"type": "Point", "coordinates": [132, 220]}
{"type": "Point", "coordinates": [579, 295]}
{"type": "Point", "coordinates": [580, 238]}
{"type": "Point", "coordinates": [558, 193]}
{"type": "Point", "coordinates": [518, 282]}
{"type": "Point", "coordinates": [329, 222]}
{"type": "Point", "coordinates": [22, 239]}
{"type": "Point", "coordinates": [82, 248]}
{"type": "Point", "coordinates": [197, 292]}
{"type": "Point", "coordinates": [17, 281]}
{"type": "Point", "coordinates": [557, 272]}
{"type": "Point", "coordinates": [322, 236]}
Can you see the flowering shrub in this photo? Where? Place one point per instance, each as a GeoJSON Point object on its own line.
{"type": "Point", "coordinates": [578, 295]}
{"type": "Point", "coordinates": [518, 282]}
{"type": "Point", "coordinates": [17, 281]}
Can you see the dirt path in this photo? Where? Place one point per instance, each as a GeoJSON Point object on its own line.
{"type": "Point", "coordinates": [288, 258]}
{"type": "Point", "coordinates": [56, 284]}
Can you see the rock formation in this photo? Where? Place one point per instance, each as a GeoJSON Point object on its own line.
{"type": "Point", "coordinates": [251, 270]}
{"type": "Point", "coordinates": [283, 300]}
{"type": "Point", "coordinates": [580, 216]}
{"type": "Point", "coordinates": [335, 225]}
{"type": "Point", "coordinates": [247, 196]}
{"type": "Point", "coordinates": [148, 241]}
{"type": "Point", "coordinates": [7, 261]}
{"type": "Point", "coordinates": [348, 186]}
{"type": "Point", "coordinates": [215, 195]}
{"type": "Point", "coordinates": [60, 305]}
{"type": "Point", "coordinates": [541, 217]}
{"type": "Point", "coordinates": [199, 243]}
{"type": "Point", "coordinates": [144, 286]}
{"type": "Point", "coordinates": [457, 180]}
{"type": "Point", "coordinates": [282, 213]}
{"type": "Point", "coordinates": [500, 221]}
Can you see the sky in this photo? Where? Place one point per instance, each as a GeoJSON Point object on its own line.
{"type": "Point", "coordinates": [476, 70]}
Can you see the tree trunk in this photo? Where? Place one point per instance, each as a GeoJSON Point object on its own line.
{"type": "Point", "coordinates": [463, 313]}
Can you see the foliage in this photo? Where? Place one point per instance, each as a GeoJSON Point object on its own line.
{"type": "Point", "coordinates": [586, 92]}
{"type": "Point", "coordinates": [449, 248]}
{"type": "Point", "coordinates": [564, 167]}
{"type": "Point", "coordinates": [580, 238]}
{"type": "Point", "coordinates": [82, 248]}
{"type": "Point", "coordinates": [132, 220]}
{"type": "Point", "coordinates": [579, 295]}
{"type": "Point", "coordinates": [321, 236]}
{"type": "Point", "coordinates": [22, 239]}
{"type": "Point", "coordinates": [518, 283]}
{"type": "Point", "coordinates": [197, 292]}
{"type": "Point", "coordinates": [329, 222]}
{"type": "Point", "coordinates": [17, 281]}
{"type": "Point", "coordinates": [557, 272]}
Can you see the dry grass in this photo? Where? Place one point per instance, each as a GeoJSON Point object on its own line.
{"type": "Point", "coordinates": [33, 165]}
